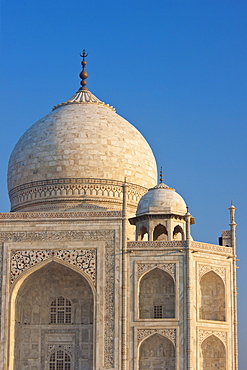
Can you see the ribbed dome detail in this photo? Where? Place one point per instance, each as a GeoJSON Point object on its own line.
{"type": "Point", "coordinates": [84, 96]}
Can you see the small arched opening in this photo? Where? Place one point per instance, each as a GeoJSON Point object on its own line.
{"type": "Point", "coordinates": [143, 234]}
{"type": "Point", "coordinates": [160, 233]}
{"type": "Point", "coordinates": [178, 233]}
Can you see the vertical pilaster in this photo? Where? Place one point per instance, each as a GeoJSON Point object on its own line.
{"type": "Point", "coordinates": [124, 349]}
{"type": "Point", "coordinates": [234, 282]}
{"type": "Point", "coordinates": [188, 292]}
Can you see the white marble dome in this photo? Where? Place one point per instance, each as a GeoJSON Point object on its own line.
{"type": "Point", "coordinates": [82, 141]}
{"type": "Point", "coordinates": [161, 199]}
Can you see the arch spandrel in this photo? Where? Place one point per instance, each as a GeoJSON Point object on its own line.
{"type": "Point", "coordinates": [144, 268]}
{"type": "Point", "coordinates": [83, 260]}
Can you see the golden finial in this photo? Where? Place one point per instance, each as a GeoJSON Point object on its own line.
{"type": "Point", "coordinates": [161, 176]}
{"type": "Point", "coordinates": [83, 75]}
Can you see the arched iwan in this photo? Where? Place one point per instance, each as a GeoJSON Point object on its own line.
{"type": "Point", "coordinates": [53, 304]}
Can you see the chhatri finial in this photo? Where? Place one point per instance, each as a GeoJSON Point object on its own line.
{"type": "Point", "coordinates": [83, 75]}
{"type": "Point", "coordinates": [161, 176]}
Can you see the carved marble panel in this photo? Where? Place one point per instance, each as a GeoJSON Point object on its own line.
{"type": "Point", "coordinates": [203, 334]}
{"type": "Point", "coordinates": [85, 260]}
{"type": "Point", "coordinates": [170, 268]}
{"type": "Point", "coordinates": [168, 333]}
{"type": "Point", "coordinates": [203, 269]}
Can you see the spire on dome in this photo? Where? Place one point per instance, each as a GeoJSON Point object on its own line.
{"type": "Point", "coordinates": [161, 176]}
{"type": "Point", "coordinates": [83, 75]}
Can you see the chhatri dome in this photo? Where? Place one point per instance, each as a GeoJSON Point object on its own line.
{"type": "Point", "coordinates": [78, 156]}
{"type": "Point", "coordinates": [161, 199]}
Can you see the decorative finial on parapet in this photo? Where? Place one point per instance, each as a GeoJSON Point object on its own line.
{"type": "Point", "coordinates": [83, 75]}
{"type": "Point", "coordinates": [161, 176]}
{"type": "Point", "coordinates": [232, 209]}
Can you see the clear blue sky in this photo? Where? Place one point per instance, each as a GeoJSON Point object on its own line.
{"type": "Point", "coordinates": [176, 69]}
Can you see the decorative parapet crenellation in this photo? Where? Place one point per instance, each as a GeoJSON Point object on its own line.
{"type": "Point", "coordinates": [198, 246]}
{"type": "Point", "coordinates": [85, 260]}
{"type": "Point", "coordinates": [156, 245]}
{"type": "Point", "coordinates": [211, 247]}
{"type": "Point", "coordinates": [168, 333]}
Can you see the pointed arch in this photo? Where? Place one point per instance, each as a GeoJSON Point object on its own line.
{"type": "Point", "coordinates": [143, 234]}
{"type": "Point", "coordinates": [156, 295]}
{"type": "Point", "coordinates": [157, 352]}
{"type": "Point", "coordinates": [160, 233]}
{"type": "Point", "coordinates": [212, 297]}
{"type": "Point", "coordinates": [213, 354]}
{"type": "Point", "coordinates": [178, 233]}
{"type": "Point", "coordinates": [56, 286]}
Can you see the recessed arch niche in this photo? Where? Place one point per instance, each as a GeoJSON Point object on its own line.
{"type": "Point", "coordinates": [212, 297]}
{"type": "Point", "coordinates": [157, 295]}
{"type": "Point", "coordinates": [143, 234]}
{"type": "Point", "coordinates": [213, 354]}
{"type": "Point", "coordinates": [53, 286]}
{"type": "Point", "coordinates": [160, 233]}
{"type": "Point", "coordinates": [178, 233]}
{"type": "Point", "coordinates": [157, 352]}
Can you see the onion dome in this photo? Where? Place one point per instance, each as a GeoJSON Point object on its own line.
{"type": "Point", "coordinates": [78, 156]}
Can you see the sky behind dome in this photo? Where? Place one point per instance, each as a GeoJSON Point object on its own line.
{"type": "Point", "coordinates": [175, 69]}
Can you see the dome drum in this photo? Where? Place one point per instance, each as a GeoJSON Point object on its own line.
{"type": "Point", "coordinates": [62, 194]}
